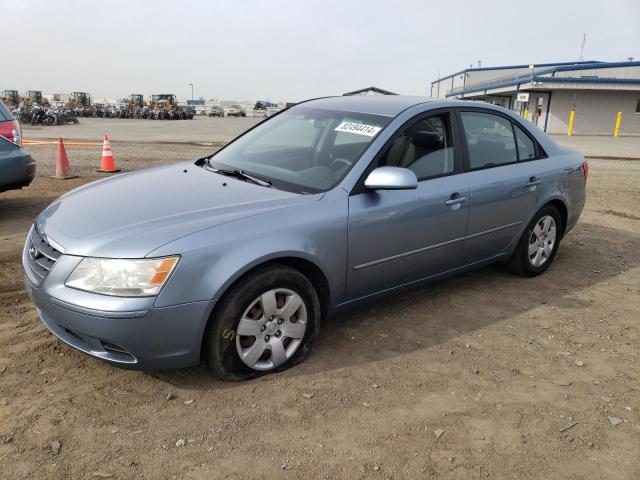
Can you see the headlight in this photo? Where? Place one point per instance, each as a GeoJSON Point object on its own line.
{"type": "Point", "coordinates": [120, 277]}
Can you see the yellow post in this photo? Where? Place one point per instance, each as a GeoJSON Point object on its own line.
{"type": "Point", "coordinates": [616, 131]}
{"type": "Point", "coordinates": [526, 114]}
{"type": "Point", "coordinates": [572, 117]}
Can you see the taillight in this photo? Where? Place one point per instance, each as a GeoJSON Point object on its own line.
{"type": "Point", "coordinates": [585, 169]}
{"type": "Point", "coordinates": [11, 131]}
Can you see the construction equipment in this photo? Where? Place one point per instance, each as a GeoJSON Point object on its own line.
{"type": "Point", "coordinates": [79, 99]}
{"type": "Point", "coordinates": [35, 97]}
{"type": "Point", "coordinates": [162, 104]}
{"type": "Point", "coordinates": [163, 100]}
{"type": "Point", "coordinates": [11, 98]}
{"type": "Point", "coordinates": [136, 100]}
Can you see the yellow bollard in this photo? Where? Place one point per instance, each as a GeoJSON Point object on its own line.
{"type": "Point", "coordinates": [526, 114]}
{"type": "Point", "coordinates": [616, 131]}
{"type": "Point", "coordinates": [572, 117]}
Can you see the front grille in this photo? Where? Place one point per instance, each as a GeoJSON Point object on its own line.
{"type": "Point", "coordinates": [41, 256]}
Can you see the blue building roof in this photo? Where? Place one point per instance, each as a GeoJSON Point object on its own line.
{"type": "Point", "coordinates": [527, 78]}
{"type": "Point", "coordinates": [509, 67]}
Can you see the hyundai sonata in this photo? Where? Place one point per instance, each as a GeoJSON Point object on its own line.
{"type": "Point", "coordinates": [236, 258]}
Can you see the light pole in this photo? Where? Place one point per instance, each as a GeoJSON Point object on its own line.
{"type": "Point", "coordinates": [191, 85]}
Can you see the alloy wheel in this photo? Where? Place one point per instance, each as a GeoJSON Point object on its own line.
{"type": "Point", "coordinates": [542, 239]}
{"type": "Point", "coordinates": [271, 329]}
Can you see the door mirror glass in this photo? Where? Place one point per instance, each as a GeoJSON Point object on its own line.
{"type": "Point", "coordinates": [391, 178]}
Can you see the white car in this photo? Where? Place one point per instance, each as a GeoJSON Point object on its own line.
{"type": "Point", "coordinates": [271, 111]}
{"type": "Point", "coordinates": [236, 111]}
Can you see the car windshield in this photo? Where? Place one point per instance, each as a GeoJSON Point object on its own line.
{"type": "Point", "coordinates": [303, 150]}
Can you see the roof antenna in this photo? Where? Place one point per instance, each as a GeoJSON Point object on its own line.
{"type": "Point", "coordinates": [584, 40]}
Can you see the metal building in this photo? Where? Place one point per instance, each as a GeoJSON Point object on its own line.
{"type": "Point", "coordinates": [547, 93]}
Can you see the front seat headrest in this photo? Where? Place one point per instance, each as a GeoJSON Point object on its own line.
{"type": "Point", "coordinates": [424, 139]}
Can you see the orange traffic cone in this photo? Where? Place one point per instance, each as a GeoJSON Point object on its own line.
{"type": "Point", "coordinates": [63, 169]}
{"type": "Point", "coordinates": [108, 164]}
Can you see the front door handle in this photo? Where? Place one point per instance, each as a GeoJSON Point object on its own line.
{"type": "Point", "coordinates": [455, 199]}
{"type": "Point", "coordinates": [533, 181]}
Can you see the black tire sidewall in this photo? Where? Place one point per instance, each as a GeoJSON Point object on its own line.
{"type": "Point", "coordinates": [220, 343]}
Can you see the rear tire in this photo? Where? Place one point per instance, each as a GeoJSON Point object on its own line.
{"type": "Point", "coordinates": [539, 243]}
{"type": "Point", "coordinates": [224, 345]}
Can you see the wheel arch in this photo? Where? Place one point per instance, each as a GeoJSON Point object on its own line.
{"type": "Point", "coordinates": [562, 210]}
{"type": "Point", "coordinates": [304, 265]}
{"type": "Point", "coordinates": [297, 260]}
{"type": "Point", "coordinates": [555, 201]}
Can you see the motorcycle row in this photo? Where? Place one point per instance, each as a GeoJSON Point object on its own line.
{"type": "Point", "coordinates": [64, 115]}
{"type": "Point", "coordinates": [100, 111]}
{"type": "Point", "coordinates": [39, 115]}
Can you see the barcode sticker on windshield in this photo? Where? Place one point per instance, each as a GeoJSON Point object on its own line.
{"type": "Point", "coordinates": [358, 128]}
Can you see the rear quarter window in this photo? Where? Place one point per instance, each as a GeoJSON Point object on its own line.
{"type": "Point", "coordinates": [526, 147]}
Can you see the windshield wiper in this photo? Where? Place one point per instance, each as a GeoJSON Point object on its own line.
{"type": "Point", "coordinates": [239, 173]}
{"type": "Point", "coordinates": [257, 180]}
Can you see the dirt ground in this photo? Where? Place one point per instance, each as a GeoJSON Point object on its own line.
{"type": "Point", "coordinates": [485, 375]}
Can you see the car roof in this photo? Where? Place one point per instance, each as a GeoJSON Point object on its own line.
{"type": "Point", "coordinates": [391, 105]}
{"type": "Point", "coordinates": [387, 105]}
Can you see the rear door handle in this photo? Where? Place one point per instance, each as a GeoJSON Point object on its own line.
{"type": "Point", "coordinates": [455, 199]}
{"type": "Point", "coordinates": [533, 181]}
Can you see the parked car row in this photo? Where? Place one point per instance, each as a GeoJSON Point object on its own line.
{"type": "Point", "coordinates": [232, 111]}
{"type": "Point", "coordinates": [239, 111]}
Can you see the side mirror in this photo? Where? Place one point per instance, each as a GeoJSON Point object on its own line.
{"type": "Point", "coordinates": [391, 178]}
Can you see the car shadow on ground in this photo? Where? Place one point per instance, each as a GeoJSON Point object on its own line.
{"type": "Point", "coordinates": [423, 317]}
{"type": "Point", "coordinates": [17, 211]}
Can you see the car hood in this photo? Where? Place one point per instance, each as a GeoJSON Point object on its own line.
{"type": "Point", "coordinates": [130, 215]}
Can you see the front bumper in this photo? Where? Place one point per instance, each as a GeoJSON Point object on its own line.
{"type": "Point", "coordinates": [127, 332]}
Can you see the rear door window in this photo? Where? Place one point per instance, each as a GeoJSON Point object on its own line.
{"type": "Point", "coordinates": [490, 140]}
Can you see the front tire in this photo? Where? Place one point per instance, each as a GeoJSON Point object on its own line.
{"type": "Point", "coordinates": [539, 243]}
{"type": "Point", "coordinates": [266, 322]}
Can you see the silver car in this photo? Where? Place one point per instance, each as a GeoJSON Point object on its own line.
{"type": "Point", "coordinates": [235, 259]}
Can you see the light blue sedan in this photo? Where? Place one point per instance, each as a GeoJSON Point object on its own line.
{"type": "Point", "coordinates": [235, 259]}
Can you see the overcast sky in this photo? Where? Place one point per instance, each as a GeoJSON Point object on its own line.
{"type": "Point", "coordinates": [284, 50]}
